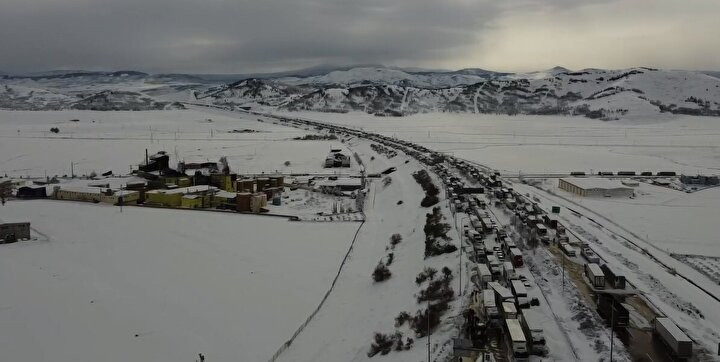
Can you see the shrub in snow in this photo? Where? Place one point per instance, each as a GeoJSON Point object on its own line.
{"type": "Point", "coordinates": [436, 234]}
{"type": "Point", "coordinates": [387, 181]}
{"type": "Point", "coordinates": [427, 274]}
{"type": "Point", "coordinates": [447, 272]}
{"type": "Point", "coordinates": [437, 290]}
{"type": "Point", "coordinates": [381, 272]}
{"type": "Point", "coordinates": [287, 163]}
{"type": "Point", "coordinates": [424, 321]}
{"type": "Point", "coordinates": [395, 239]}
{"type": "Point", "coordinates": [55, 130]}
{"type": "Point", "coordinates": [401, 319]}
{"type": "Point", "coordinates": [390, 258]}
{"type": "Point", "coordinates": [431, 191]}
{"type": "Point", "coordinates": [383, 344]}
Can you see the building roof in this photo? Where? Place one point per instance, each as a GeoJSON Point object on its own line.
{"type": "Point", "coordinates": [96, 190]}
{"type": "Point", "coordinates": [595, 183]}
{"type": "Point", "coordinates": [185, 190]}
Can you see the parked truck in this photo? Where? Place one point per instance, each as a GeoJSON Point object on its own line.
{"type": "Point", "coordinates": [673, 337]}
{"type": "Point", "coordinates": [484, 275]}
{"type": "Point", "coordinates": [516, 257]}
{"type": "Point", "coordinates": [595, 275]}
{"type": "Point", "coordinates": [613, 311]}
{"type": "Point", "coordinates": [615, 280]}
{"type": "Point", "coordinates": [532, 325]}
{"type": "Point", "coordinates": [517, 343]}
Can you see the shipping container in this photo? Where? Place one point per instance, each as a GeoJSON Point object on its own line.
{"type": "Point", "coordinates": [516, 257]}
{"type": "Point", "coordinates": [673, 337]}
{"type": "Point", "coordinates": [517, 343]}
{"type": "Point", "coordinates": [532, 325]}
{"type": "Point", "coordinates": [595, 274]}
{"type": "Point", "coordinates": [518, 289]}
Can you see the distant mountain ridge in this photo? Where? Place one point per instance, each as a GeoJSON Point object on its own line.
{"type": "Point", "coordinates": [380, 90]}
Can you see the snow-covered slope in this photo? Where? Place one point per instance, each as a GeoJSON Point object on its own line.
{"type": "Point", "coordinates": [595, 93]}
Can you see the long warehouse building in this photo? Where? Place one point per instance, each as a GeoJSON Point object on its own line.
{"type": "Point", "coordinates": [595, 187]}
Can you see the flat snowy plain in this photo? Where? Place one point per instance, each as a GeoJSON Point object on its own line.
{"type": "Point", "coordinates": [555, 144]}
{"type": "Point", "coordinates": [159, 285]}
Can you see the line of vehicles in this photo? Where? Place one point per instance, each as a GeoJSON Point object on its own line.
{"type": "Point", "coordinates": [627, 173]}
{"type": "Point", "coordinates": [506, 304]}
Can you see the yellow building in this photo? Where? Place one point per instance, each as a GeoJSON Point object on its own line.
{"type": "Point", "coordinates": [223, 182]}
{"type": "Point", "coordinates": [185, 197]}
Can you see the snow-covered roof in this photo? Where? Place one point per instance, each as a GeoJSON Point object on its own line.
{"type": "Point", "coordinates": [96, 190]}
{"type": "Point", "coordinates": [341, 181]}
{"type": "Point", "coordinates": [225, 194]}
{"type": "Point", "coordinates": [185, 190]}
{"type": "Point", "coordinates": [594, 183]}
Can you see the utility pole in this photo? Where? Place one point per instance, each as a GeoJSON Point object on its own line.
{"type": "Point", "coordinates": [563, 273]}
{"type": "Point", "coordinates": [612, 328]}
{"type": "Point", "coordinates": [428, 330]}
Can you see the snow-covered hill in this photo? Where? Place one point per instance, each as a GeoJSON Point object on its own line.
{"type": "Point", "coordinates": [595, 93]}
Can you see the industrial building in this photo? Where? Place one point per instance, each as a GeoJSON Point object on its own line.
{"type": "Point", "coordinates": [186, 197]}
{"type": "Point", "coordinates": [32, 192]}
{"type": "Point", "coordinates": [251, 202]}
{"type": "Point", "coordinates": [13, 231]}
{"type": "Point", "coordinates": [705, 180]}
{"type": "Point", "coordinates": [95, 194]}
{"type": "Point", "coordinates": [595, 187]}
{"type": "Point", "coordinates": [337, 159]}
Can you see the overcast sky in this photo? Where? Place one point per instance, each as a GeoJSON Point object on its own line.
{"type": "Point", "coordinates": [241, 36]}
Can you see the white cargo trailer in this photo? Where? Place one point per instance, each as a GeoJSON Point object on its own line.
{"type": "Point", "coordinates": [673, 337]}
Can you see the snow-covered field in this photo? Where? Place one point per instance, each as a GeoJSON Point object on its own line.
{"type": "Point", "coordinates": [102, 141]}
{"type": "Point", "coordinates": [671, 220]}
{"type": "Point", "coordinates": [159, 285]}
{"type": "Point", "coordinates": [555, 144]}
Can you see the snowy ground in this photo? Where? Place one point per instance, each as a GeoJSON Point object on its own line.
{"type": "Point", "coordinates": [551, 144]}
{"type": "Point", "coordinates": [655, 214]}
{"type": "Point", "coordinates": [689, 307]}
{"type": "Point", "coordinates": [102, 141]}
{"type": "Point", "coordinates": [232, 287]}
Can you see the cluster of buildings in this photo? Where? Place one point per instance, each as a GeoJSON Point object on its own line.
{"type": "Point", "coordinates": [704, 180]}
{"type": "Point", "coordinates": [191, 185]}
{"type": "Point", "coordinates": [337, 159]}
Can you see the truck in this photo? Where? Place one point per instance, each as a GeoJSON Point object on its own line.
{"type": "Point", "coordinates": [484, 275]}
{"type": "Point", "coordinates": [489, 306]}
{"type": "Point", "coordinates": [509, 271]}
{"type": "Point", "coordinates": [532, 325]}
{"type": "Point", "coordinates": [595, 275]}
{"type": "Point", "coordinates": [502, 294]}
{"type": "Point", "coordinates": [494, 265]}
{"type": "Point", "coordinates": [516, 257]}
{"type": "Point", "coordinates": [520, 293]}
{"type": "Point", "coordinates": [567, 249]}
{"type": "Point", "coordinates": [612, 310]}
{"type": "Point", "coordinates": [589, 255]}
{"type": "Point", "coordinates": [517, 343]}
{"type": "Point", "coordinates": [673, 337]}
{"type": "Point", "coordinates": [616, 281]}
{"type": "Point", "coordinates": [509, 311]}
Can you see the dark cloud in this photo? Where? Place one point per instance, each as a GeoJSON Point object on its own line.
{"type": "Point", "coordinates": [249, 35]}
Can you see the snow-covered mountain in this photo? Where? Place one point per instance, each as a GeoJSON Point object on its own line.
{"type": "Point", "coordinates": [379, 90]}
{"type": "Point", "coordinates": [595, 93]}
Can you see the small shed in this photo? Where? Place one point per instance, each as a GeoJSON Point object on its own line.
{"type": "Point", "coordinates": [14, 231]}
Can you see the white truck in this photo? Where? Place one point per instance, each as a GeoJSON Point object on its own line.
{"type": "Point", "coordinates": [509, 272]}
{"type": "Point", "coordinates": [484, 275]}
{"type": "Point", "coordinates": [532, 325]}
{"type": "Point", "coordinates": [520, 293]}
{"type": "Point", "coordinates": [673, 337]}
{"type": "Point", "coordinates": [517, 343]}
